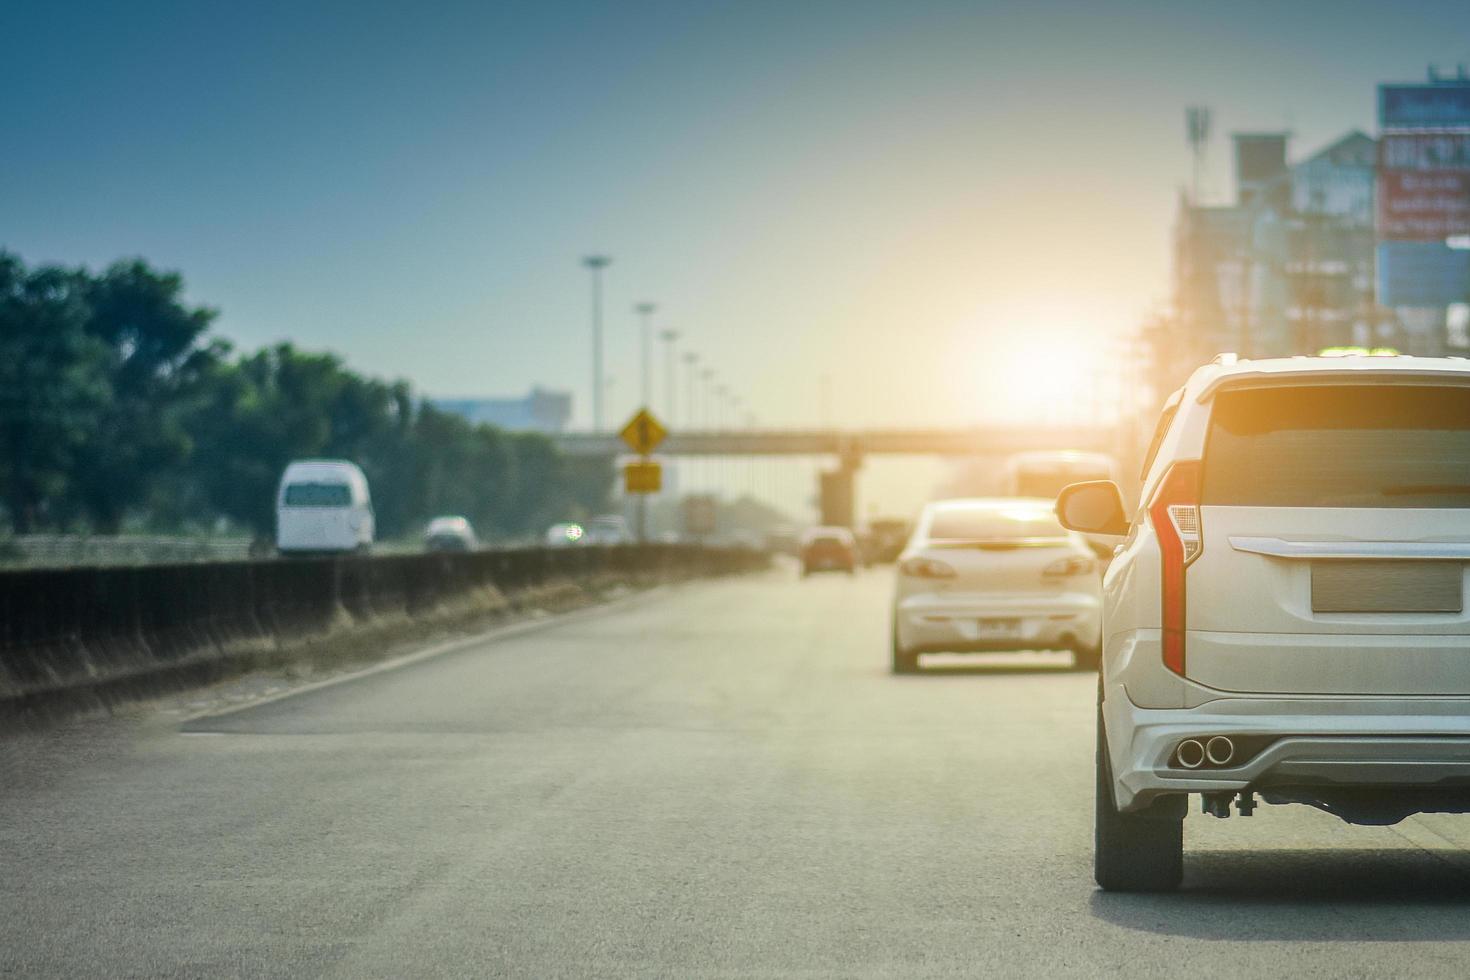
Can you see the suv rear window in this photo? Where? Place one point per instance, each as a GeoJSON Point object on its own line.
{"type": "Point", "coordinates": [1365, 445]}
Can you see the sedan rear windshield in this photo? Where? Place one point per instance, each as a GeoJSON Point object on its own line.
{"type": "Point", "coordinates": [991, 523]}
{"type": "Point", "coordinates": [318, 495]}
{"type": "Point", "coordinates": [1362, 445]}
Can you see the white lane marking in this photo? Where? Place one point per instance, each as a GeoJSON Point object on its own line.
{"type": "Point", "coordinates": [437, 649]}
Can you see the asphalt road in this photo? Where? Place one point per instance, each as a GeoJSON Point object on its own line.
{"type": "Point", "coordinates": [716, 780]}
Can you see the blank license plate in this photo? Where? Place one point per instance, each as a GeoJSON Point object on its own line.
{"type": "Point", "coordinates": [999, 628]}
{"type": "Point", "coordinates": [1387, 586]}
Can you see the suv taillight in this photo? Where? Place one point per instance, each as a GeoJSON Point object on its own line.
{"type": "Point", "coordinates": [1175, 515]}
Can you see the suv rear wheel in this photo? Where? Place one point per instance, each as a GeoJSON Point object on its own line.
{"type": "Point", "coordinates": [1135, 852]}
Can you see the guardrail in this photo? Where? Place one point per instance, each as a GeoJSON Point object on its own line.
{"type": "Point", "coordinates": [61, 550]}
{"type": "Point", "coordinates": [100, 634]}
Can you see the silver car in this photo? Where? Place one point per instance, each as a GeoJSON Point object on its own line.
{"type": "Point", "coordinates": [995, 574]}
{"type": "Point", "coordinates": [1286, 617]}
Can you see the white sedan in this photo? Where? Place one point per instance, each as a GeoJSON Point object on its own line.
{"type": "Point", "coordinates": [995, 574]}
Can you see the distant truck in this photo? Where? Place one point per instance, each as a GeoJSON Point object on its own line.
{"type": "Point", "coordinates": [1044, 474]}
{"type": "Point", "coordinates": [323, 507]}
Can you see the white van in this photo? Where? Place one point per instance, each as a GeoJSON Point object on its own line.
{"type": "Point", "coordinates": [322, 507]}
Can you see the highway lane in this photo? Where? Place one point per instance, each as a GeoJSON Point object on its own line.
{"type": "Point", "coordinates": [720, 779]}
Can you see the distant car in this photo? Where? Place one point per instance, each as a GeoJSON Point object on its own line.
{"type": "Point", "coordinates": [450, 533]}
{"type": "Point", "coordinates": [565, 534]}
{"type": "Point", "coordinates": [323, 507]}
{"type": "Point", "coordinates": [828, 549]}
{"type": "Point", "coordinates": [608, 529]}
{"type": "Point", "coordinates": [995, 574]}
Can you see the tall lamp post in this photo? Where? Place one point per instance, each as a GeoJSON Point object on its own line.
{"type": "Point", "coordinates": [707, 375]}
{"type": "Point", "coordinates": [691, 359]}
{"type": "Point", "coordinates": [668, 337]}
{"type": "Point", "coordinates": [645, 312]}
{"type": "Point", "coordinates": [597, 263]}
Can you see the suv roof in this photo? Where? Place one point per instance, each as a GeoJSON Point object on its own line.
{"type": "Point", "coordinates": [1227, 369]}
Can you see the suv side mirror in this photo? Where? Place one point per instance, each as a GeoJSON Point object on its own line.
{"type": "Point", "coordinates": [1093, 508]}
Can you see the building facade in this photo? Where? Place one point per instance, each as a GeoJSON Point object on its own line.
{"type": "Point", "coordinates": [1287, 267]}
{"type": "Point", "coordinates": [540, 411]}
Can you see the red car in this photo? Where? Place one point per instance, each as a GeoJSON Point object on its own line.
{"type": "Point", "coordinates": [828, 549]}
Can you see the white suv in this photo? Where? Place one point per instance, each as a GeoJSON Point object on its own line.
{"type": "Point", "coordinates": [1285, 616]}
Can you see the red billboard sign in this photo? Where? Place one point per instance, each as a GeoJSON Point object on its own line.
{"type": "Point", "coordinates": [1423, 205]}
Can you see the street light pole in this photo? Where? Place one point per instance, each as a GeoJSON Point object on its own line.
{"type": "Point", "coordinates": [597, 263]}
{"type": "Point", "coordinates": [708, 376]}
{"type": "Point", "coordinates": [668, 337]}
{"type": "Point", "coordinates": [644, 311]}
{"type": "Point", "coordinates": [690, 360]}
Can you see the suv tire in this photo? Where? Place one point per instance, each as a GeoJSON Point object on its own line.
{"type": "Point", "coordinates": [1135, 852]}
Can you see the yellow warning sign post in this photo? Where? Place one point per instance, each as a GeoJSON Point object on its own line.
{"type": "Point", "coordinates": [642, 434]}
{"type": "Point", "coordinates": [643, 477]}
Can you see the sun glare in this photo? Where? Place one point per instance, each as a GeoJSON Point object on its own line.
{"type": "Point", "coordinates": [1040, 383]}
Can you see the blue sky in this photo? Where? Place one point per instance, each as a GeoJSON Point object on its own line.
{"type": "Point", "coordinates": [885, 193]}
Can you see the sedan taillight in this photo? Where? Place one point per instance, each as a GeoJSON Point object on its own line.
{"type": "Point", "coordinates": [1063, 567]}
{"type": "Point", "coordinates": [921, 567]}
{"type": "Point", "coordinates": [1176, 520]}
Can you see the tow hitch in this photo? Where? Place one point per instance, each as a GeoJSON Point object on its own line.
{"type": "Point", "coordinates": [1218, 804]}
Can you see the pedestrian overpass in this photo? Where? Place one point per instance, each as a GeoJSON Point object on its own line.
{"type": "Point", "coordinates": [849, 447]}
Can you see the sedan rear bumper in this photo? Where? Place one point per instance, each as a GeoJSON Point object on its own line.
{"type": "Point", "coordinates": [930, 623]}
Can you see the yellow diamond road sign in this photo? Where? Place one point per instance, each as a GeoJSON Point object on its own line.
{"type": "Point", "coordinates": [643, 432]}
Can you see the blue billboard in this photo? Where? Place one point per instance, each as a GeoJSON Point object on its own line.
{"type": "Point", "coordinates": [1431, 105]}
{"type": "Point", "coordinates": [1422, 274]}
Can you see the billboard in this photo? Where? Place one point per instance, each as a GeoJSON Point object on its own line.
{"type": "Point", "coordinates": [1424, 151]}
{"type": "Point", "coordinates": [1431, 105]}
{"type": "Point", "coordinates": [1423, 205]}
{"type": "Point", "coordinates": [1422, 274]}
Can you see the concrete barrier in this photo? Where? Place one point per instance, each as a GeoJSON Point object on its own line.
{"type": "Point", "coordinates": [78, 638]}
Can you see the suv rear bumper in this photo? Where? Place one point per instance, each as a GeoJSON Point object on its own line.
{"type": "Point", "coordinates": [1364, 743]}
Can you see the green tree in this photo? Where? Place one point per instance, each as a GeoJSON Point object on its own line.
{"type": "Point", "coordinates": [54, 390]}
{"type": "Point", "coordinates": [259, 413]}
{"type": "Point", "coordinates": [155, 362]}
{"type": "Point", "coordinates": [116, 403]}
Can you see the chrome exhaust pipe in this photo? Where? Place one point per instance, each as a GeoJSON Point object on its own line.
{"type": "Point", "coordinates": [1219, 750]}
{"type": "Point", "coordinates": [1190, 754]}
